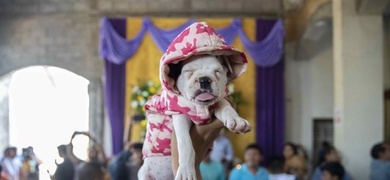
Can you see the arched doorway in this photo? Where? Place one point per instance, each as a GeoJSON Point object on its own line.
{"type": "Point", "coordinates": [46, 105]}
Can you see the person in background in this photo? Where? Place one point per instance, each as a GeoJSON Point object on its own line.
{"type": "Point", "coordinates": [3, 176]}
{"type": "Point", "coordinates": [330, 155]}
{"type": "Point", "coordinates": [321, 153]}
{"type": "Point", "coordinates": [332, 171]}
{"type": "Point", "coordinates": [28, 170]}
{"type": "Point", "coordinates": [250, 170]}
{"type": "Point", "coordinates": [210, 169]}
{"type": "Point", "coordinates": [126, 164]}
{"type": "Point", "coordinates": [380, 164]}
{"type": "Point", "coordinates": [11, 164]}
{"type": "Point", "coordinates": [95, 167]}
{"type": "Point", "coordinates": [276, 169]}
{"type": "Point", "coordinates": [65, 170]}
{"type": "Point", "coordinates": [222, 150]}
{"type": "Point", "coordinates": [34, 158]}
{"type": "Point", "coordinates": [294, 163]}
{"type": "Point", "coordinates": [30, 164]}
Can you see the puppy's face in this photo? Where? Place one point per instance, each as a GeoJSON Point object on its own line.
{"type": "Point", "coordinates": [202, 79]}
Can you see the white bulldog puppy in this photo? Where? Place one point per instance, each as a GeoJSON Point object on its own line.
{"type": "Point", "coordinates": [194, 73]}
{"type": "Point", "coordinates": [202, 81]}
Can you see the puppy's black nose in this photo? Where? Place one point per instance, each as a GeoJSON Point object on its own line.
{"type": "Point", "coordinates": [205, 82]}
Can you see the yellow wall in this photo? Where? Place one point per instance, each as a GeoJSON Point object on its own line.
{"type": "Point", "coordinates": [144, 65]}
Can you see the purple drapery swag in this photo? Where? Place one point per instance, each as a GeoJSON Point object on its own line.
{"type": "Point", "coordinates": [270, 117]}
{"type": "Point", "coordinates": [116, 49]}
{"type": "Point", "coordinates": [114, 91]}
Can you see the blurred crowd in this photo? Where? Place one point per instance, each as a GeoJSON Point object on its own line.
{"type": "Point", "coordinates": [219, 164]}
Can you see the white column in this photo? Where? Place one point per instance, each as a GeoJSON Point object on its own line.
{"type": "Point", "coordinates": [358, 85]}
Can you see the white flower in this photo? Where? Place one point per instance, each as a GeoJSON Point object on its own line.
{"type": "Point", "coordinates": [142, 102]}
{"type": "Point", "coordinates": [134, 104]}
{"type": "Point", "coordinates": [145, 94]}
{"type": "Point", "coordinates": [149, 83]}
{"type": "Point", "coordinates": [231, 88]}
{"type": "Point", "coordinates": [135, 89]}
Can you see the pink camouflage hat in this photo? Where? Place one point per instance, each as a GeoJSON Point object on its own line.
{"type": "Point", "coordinates": [199, 39]}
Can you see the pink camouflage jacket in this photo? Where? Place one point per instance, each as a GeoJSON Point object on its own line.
{"type": "Point", "coordinates": [197, 39]}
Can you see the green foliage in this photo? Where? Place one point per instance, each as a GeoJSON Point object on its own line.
{"type": "Point", "coordinates": [141, 93]}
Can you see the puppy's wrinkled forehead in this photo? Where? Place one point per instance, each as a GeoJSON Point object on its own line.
{"type": "Point", "coordinates": [204, 61]}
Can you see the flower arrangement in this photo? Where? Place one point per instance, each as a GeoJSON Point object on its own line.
{"type": "Point", "coordinates": [140, 94]}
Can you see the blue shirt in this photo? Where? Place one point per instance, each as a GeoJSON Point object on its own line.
{"type": "Point", "coordinates": [380, 170]}
{"type": "Point", "coordinates": [318, 173]}
{"type": "Point", "coordinates": [245, 174]}
{"type": "Point", "coordinates": [212, 170]}
{"type": "Point", "coordinates": [222, 149]}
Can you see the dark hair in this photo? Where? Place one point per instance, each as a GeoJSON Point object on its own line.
{"type": "Point", "coordinates": [293, 147]}
{"type": "Point", "coordinates": [377, 149]}
{"type": "Point", "coordinates": [325, 151]}
{"type": "Point", "coordinates": [325, 144]}
{"type": "Point", "coordinates": [62, 148]}
{"type": "Point", "coordinates": [329, 150]}
{"type": "Point", "coordinates": [276, 164]}
{"type": "Point", "coordinates": [138, 146]}
{"type": "Point", "coordinates": [26, 153]}
{"type": "Point", "coordinates": [334, 168]}
{"type": "Point", "coordinates": [8, 149]}
{"type": "Point", "coordinates": [254, 146]}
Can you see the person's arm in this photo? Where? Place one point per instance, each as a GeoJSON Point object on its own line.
{"type": "Point", "coordinates": [120, 160]}
{"type": "Point", "coordinates": [202, 138]}
{"type": "Point", "coordinates": [101, 154]}
{"type": "Point", "coordinates": [122, 157]}
{"type": "Point", "coordinates": [117, 166]}
{"type": "Point", "coordinates": [69, 151]}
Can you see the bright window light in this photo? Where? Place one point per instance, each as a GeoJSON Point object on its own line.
{"type": "Point", "coordinates": [47, 104]}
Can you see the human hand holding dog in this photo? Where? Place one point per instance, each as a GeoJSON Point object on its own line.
{"type": "Point", "coordinates": [202, 138]}
{"type": "Point", "coordinates": [186, 152]}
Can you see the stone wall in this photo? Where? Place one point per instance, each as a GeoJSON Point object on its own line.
{"type": "Point", "coordinates": [65, 34]}
{"type": "Point", "coordinates": [147, 7]}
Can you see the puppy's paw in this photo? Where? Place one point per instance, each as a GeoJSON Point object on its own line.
{"type": "Point", "coordinates": [185, 172]}
{"type": "Point", "coordinates": [238, 124]}
{"type": "Point", "coordinates": [234, 122]}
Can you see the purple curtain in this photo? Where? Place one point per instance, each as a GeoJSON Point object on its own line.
{"type": "Point", "coordinates": [270, 117]}
{"type": "Point", "coordinates": [115, 91]}
{"type": "Point", "coordinates": [266, 51]}
{"type": "Point", "coordinates": [117, 49]}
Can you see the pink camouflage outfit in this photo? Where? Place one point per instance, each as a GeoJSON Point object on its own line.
{"type": "Point", "coordinates": [197, 39]}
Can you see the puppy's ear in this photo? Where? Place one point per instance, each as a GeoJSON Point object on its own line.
{"type": "Point", "coordinates": [225, 62]}
{"type": "Point", "coordinates": [174, 71]}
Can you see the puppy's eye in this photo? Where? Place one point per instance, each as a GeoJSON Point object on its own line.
{"type": "Point", "coordinates": [187, 73]}
{"type": "Point", "coordinates": [218, 73]}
